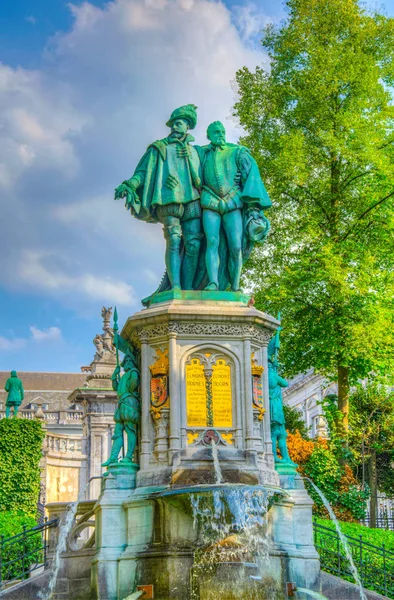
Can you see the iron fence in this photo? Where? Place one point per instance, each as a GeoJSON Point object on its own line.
{"type": "Point", "coordinates": [375, 564]}
{"type": "Point", "coordinates": [24, 553]}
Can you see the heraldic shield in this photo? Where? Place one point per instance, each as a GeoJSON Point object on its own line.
{"type": "Point", "coordinates": [158, 390]}
{"type": "Point", "coordinates": [159, 383]}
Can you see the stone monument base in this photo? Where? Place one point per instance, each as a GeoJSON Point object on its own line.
{"type": "Point", "coordinates": [149, 537]}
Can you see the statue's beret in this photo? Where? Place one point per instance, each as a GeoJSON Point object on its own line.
{"type": "Point", "coordinates": [188, 112]}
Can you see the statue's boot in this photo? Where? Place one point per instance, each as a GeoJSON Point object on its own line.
{"type": "Point", "coordinates": [116, 448]}
{"type": "Point", "coordinates": [190, 260]}
{"type": "Point", "coordinates": [211, 287]}
{"type": "Point", "coordinates": [173, 234]}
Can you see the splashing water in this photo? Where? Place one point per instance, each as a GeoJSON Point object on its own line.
{"type": "Point", "coordinates": [231, 522]}
{"type": "Point", "coordinates": [342, 538]}
{"type": "Point", "coordinates": [216, 463]}
{"type": "Point", "coordinates": [64, 532]}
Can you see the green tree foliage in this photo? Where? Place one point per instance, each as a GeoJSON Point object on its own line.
{"type": "Point", "coordinates": [20, 453]}
{"type": "Point", "coordinates": [371, 432]}
{"type": "Point", "coordinates": [295, 421]}
{"type": "Point", "coordinates": [320, 123]}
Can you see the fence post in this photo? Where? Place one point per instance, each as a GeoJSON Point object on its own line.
{"type": "Point", "coordinates": [1, 560]}
{"type": "Point", "coordinates": [339, 554]}
{"type": "Point", "coordinates": [361, 559]}
{"type": "Point", "coordinates": [24, 570]}
{"type": "Point", "coordinates": [384, 569]}
{"type": "Point", "coordinates": [45, 540]}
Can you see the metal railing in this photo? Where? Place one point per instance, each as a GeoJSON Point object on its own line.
{"type": "Point", "coordinates": [375, 564]}
{"type": "Point", "coordinates": [24, 553]}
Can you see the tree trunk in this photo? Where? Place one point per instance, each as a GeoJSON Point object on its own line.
{"type": "Point", "coordinates": [343, 397]}
{"type": "Point", "coordinates": [373, 484]}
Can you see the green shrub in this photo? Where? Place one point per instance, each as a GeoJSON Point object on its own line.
{"type": "Point", "coordinates": [375, 565]}
{"type": "Point", "coordinates": [20, 454]}
{"type": "Point", "coordinates": [19, 554]}
{"type": "Point", "coordinates": [336, 483]}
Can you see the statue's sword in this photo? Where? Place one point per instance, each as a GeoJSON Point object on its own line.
{"type": "Point", "coordinates": [116, 329]}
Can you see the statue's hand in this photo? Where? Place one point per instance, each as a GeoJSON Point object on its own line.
{"type": "Point", "coordinates": [171, 182]}
{"type": "Point", "coordinates": [121, 191]}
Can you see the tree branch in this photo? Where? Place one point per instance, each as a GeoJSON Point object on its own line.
{"type": "Point", "coordinates": [349, 181]}
{"type": "Point", "coordinates": [365, 213]}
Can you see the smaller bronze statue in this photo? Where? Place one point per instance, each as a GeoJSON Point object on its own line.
{"type": "Point", "coordinates": [127, 412]}
{"type": "Point", "coordinates": [14, 387]}
{"type": "Point", "coordinates": [278, 423]}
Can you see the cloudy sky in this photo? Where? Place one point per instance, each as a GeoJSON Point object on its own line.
{"type": "Point", "coordinates": [84, 88]}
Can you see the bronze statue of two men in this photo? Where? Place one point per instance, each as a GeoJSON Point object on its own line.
{"type": "Point", "coordinates": [210, 201]}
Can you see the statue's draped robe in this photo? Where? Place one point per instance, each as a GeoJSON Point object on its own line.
{"type": "Point", "coordinates": [164, 158]}
{"type": "Point", "coordinates": [149, 178]}
{"type": "Point", "coordinates": [276, 383]}
{"type": "Point", "coordinates": [14, 387]}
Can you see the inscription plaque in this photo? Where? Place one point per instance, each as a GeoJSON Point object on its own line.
{"type": "Point", "coordinates": [196, 394]}
{"type": "Point", "coordinates": [222, 394]}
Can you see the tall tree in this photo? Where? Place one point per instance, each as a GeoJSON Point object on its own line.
{"type": "Point", "coordinates": [320, 122]}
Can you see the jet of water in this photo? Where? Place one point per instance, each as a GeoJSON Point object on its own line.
{"type": "Point", "coordinates": [64, 532]}
{"type": "Point", "coordinates": [216, 464]}
{"type": "Point", "coordinates": [341, 537]}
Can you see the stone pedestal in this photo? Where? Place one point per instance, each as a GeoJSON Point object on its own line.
{"type": "Point", "coordinates": [199, 354]}
{"type": "Point", "coordinates": [205, 424]}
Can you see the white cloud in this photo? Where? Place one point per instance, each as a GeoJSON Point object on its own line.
{"type": "Point", "coordinates": [36, 120]}
{"type": "Point", "coordinates": [11, 344]}
{"type": "Point", "coordinates": [40, 335]}
{"type": "Point", "coordinates": [36, 273]}
{"type": "Point", "coordinates": [36, 335]}
{"type": "Point", "coordinates": [71, 131]}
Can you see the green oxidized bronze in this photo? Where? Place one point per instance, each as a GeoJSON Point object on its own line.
{"type": "Point", "coordinates": [14, 387]}
{"type": "Point", "coordinates": [165, 188]}
{"type": "Point", "coordinates": [233, 199]}
{"type": "Point", "coordinates": [127, 412]}
{"type": "Point", "coordinates": [278, 423]}
{"type": "Point", "coordinates": [209, 199]}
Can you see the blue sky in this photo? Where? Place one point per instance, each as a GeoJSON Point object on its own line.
{"type": "Point", "coordinates": [84, 88]}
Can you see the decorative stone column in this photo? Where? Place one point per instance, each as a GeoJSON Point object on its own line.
{"type": "Point", "coordinates": [269, 457]}
{"type": "Point", "coordinates": [175, 433]}
{"type": "Point", "coordinates": [145, 405]}
{"type": "Point", "coordinates": [248, 398]}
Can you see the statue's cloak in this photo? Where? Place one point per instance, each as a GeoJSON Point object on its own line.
{"type": "Point", "coordinates": [151, 173]}
{"type": "Point", "coordinates": [255, 225]}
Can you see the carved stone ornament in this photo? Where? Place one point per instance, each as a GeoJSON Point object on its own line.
{"type": "Point", "coordinates": [257, 334]}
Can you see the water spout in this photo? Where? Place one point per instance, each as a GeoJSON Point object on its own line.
{"type": "Point", "coordinates": [216, 464]}
{"type": "Point", "coordinates": [341, 537]}
{"type": "Point", "coordinates": [64, 532]}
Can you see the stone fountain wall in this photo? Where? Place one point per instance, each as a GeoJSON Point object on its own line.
{"type": "Point", "coordinates": [204, 381]}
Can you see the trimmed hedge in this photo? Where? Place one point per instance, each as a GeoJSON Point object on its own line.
{"type": "Point", "coordinates": [20, 454]}
{"type": "Point", "coordinates": [11, 523]}
{"type": "Point", "coordinates": [377, 537]}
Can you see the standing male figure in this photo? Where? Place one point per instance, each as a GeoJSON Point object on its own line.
{"type": "Point", "coordinates": [277, 415]}
{"type": "Point", "coordinates": [166, 188]}
{"type": "Point", "coordinates": [234, 196]}
{"type": "Point", "coordinates": [127, 412]}
{"type": "Point", "coordinates": [14, 387]}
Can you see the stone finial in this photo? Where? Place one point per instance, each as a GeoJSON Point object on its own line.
{"type": "Point", "coordinates": [321, 428]}
{"type": "Point", "coordinates": [38, 413]}
{"type": "Point", "coordinates": [104, 359]}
